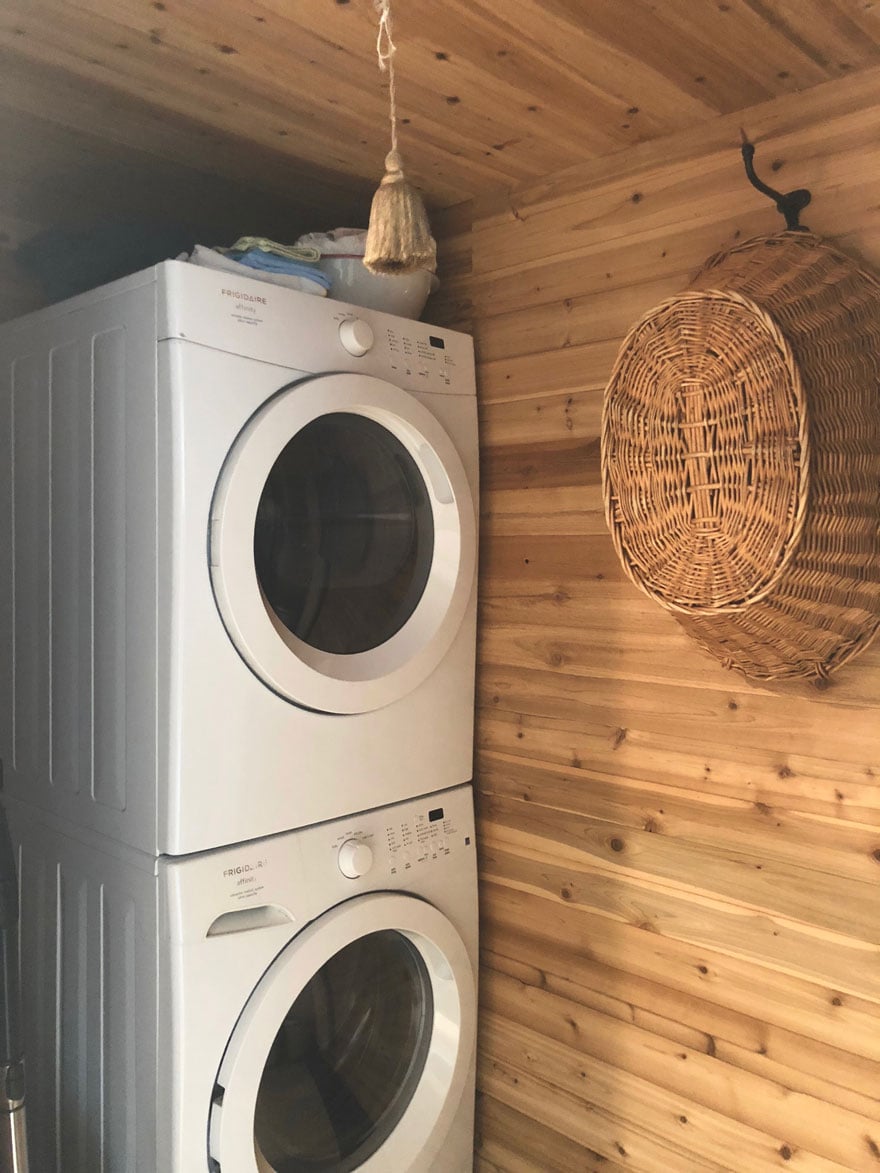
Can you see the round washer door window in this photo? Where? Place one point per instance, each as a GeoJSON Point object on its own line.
{"type": "Point", "coordinates": [342, 543]}
{"type": "Point", "coordinates": [352, 1053]}
{"type": "Point", "coordinates": [347, 1058]}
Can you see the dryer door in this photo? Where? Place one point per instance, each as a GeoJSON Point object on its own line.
{"type": "Point", "coordinates": [355, 1048]}
{"type": "Point", "coordinates": [342, 543]}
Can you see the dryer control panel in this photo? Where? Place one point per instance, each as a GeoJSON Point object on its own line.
{"type": "Point", "coordinates": [310, 335]}
{"type": "Point", "coordinates": [415, 357]}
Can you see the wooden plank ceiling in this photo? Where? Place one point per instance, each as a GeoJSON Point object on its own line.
{"type": "Point", "coordinates": [132, 128]}
{"type": "Point", "coordinates": [287, 92]}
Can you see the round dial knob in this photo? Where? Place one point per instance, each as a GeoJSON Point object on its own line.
{"type": "Point", "coordinates": [355, 858]}
{"type": "Point", "coordinates": [356, 336]}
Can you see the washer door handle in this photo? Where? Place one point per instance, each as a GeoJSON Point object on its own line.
{"type": "Point", "coordinates": [245, 920]}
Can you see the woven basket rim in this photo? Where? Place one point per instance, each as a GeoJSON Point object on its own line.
{"type": "Point", "coordinates": [793, 539]}
{"type": "Point", "coordinates": [783, 239]}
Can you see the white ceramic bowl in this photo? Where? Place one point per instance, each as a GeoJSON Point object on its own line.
{"type": "Point", "coordinates": [404, 295]}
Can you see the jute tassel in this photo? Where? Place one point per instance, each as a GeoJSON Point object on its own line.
{"type": "Point", "coordinates": [399, 237]}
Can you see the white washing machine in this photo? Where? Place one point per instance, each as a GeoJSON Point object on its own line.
{"type": "Point", "coordinates": [303, 1003]}
{"type": "Point", "coordinates": [237, 559]}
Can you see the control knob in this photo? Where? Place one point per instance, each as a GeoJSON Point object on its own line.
{"type": "Point", "coordinates": [356, 336]}
{"type": "Point", "coordinates": [355, 858]}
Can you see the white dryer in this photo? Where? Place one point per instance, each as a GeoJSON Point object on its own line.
{"type": "Point", "coordinates": [303, 1003]}
{"type": "Point", "coordinates": [237, 559]}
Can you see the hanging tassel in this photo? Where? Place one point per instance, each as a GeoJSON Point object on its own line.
{"type": "Point", "coordinates": [399, 237]}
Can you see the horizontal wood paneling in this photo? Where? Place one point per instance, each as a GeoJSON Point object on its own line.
{"type": "Point", "coordinates": [681, 922]}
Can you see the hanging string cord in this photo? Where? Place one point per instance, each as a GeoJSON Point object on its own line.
{"type": "Point", "coordinates": [385, 50]}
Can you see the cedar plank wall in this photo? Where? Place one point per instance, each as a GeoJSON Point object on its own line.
{"type": "Point", "coordinates": [680, 909]}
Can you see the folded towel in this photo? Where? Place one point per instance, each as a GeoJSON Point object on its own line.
{"type": "Point", "coordinates": [209, 258]}
{"type": "Point", "coordinates": [294, 252]}
{"type": "Point", "coordinates": [255, 258]}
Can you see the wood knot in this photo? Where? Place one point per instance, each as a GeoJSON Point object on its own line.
{"type": "Point", "coordinates": [617, 845]}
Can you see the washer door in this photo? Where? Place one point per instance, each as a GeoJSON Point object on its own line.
{"type": "Point", "coordinates": [353, 1050]}
{"type": "Point", "coordinates": [342, 543]}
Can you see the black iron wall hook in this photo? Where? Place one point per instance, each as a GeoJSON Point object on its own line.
{"type": "Point", "coordinates": [790, 205]}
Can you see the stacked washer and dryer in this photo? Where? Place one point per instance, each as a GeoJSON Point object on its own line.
{"type": "Point", "coordinates": [237, 628]}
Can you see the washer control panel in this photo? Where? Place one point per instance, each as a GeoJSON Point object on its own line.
{"type": "Point", "coordinates": [393, 842]}
{"type": "Point", "coordinates": [427, 835]}
{"type": "Point", "coordinates": [355, 858]}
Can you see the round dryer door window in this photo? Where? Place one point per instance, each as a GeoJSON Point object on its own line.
{"type": "Point", "coordinates": [342, 543]}
{"type": "Point", "coordinates": [344, 536]}
{"type": "Point", "coordinates": [354, 1051]}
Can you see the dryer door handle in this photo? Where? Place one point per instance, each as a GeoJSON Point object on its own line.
{"type": "Point", "coordinates": [244, 920]}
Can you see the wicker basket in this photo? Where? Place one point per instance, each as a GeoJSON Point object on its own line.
{"type": "Point", "coordinates": [741, 456]}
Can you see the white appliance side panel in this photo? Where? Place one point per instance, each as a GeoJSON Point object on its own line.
{"type": "Point", "coordinates": [78, 565]}
{"type": "Point", "coordinates": [88, 959]}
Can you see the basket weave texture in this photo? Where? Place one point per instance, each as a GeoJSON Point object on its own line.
{"type": "Point", "coordinates": [741, 456]}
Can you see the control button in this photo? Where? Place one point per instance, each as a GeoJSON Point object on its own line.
{"type": "Point", "coordinates": [355, 858]}
{"type": "Point", "coordinates": [356, 336]}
